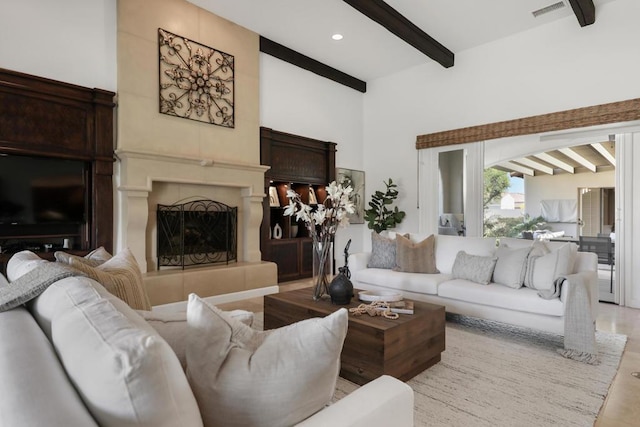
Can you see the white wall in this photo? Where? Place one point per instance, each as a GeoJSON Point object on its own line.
{"type": "Point", "coordinates": [555, 67]}
{"type": "Point", "coordinates": [297, 101]}
{"type": "Point", "coordinates": [73, 41]}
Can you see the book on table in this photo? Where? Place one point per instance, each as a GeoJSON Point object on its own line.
{"type": "Point", "coordinates": [400, 307]}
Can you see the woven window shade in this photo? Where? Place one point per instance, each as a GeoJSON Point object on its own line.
{"type": "Point", "coordinates": [614, 112]}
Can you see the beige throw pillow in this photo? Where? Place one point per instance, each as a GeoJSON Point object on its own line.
{"type": "Point", "coordinates": [121, 276]}
{"type": "Point", "coordinates": [416, 257]}
{"type": "Point", "coordinates": [172, 326]}
{"type": "Point", "coordinates": [243, 377]}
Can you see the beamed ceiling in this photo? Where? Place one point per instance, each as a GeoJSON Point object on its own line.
{"type": "Point", "coordinates": [384, 37]}
{"type": "Point", "coordinates": [587, 158]}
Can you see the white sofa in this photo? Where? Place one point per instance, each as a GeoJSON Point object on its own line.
{"type": "Point", "coordinates": [522, 307]}
{"type": "Point", "coordinates": [47, 382]}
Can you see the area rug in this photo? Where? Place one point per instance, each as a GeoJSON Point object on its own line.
{"type": "Point", "coordinates": [492, 374]}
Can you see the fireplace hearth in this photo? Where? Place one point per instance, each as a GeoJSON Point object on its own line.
{"type": "Point", "coordinates": [195, 233]}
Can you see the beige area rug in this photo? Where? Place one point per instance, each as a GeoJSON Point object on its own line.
{"type": "Point", "coordinates": [492, 374]}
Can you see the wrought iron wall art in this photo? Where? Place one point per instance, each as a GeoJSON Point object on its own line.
{"type": "Point", "coordinates": [197, 232]}
{"type": "Point", "coordinates": [196, 81]}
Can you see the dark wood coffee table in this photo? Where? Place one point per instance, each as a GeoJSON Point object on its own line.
{"type": "Point", "coordinates": [374, 345]}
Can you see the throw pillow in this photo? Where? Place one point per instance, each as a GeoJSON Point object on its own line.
{"type": "Point", "coordinates": [244, 377]}
{"type": "Point", "coordinates": [383, 252]}
{"type": "Point", "coordinates": [475, 268]}
{"type": "Point", "coordinates": [121, 276]}
{"type": "Point", "coordinates": [125, 373]}
{"type": "Point", "coordinates": [416, 257]}
{"type": "Point", "coordinates": [545, 266]}
{"type": "Point", "coordinates": [93, 258]}
{"type": "Point", "coordinates": [511, 266]}
{"type": "Point", "coordinates": [172, 326]}
{"type": "Point", "coordinates": [21, 263]}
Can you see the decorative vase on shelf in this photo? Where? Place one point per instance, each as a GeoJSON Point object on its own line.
{"type": "Point", "coordinates": [321, 268]}
{"type": "Point", "coordinates": [294, 230]}
{"type": "Point", "coordinates": [277, 232]}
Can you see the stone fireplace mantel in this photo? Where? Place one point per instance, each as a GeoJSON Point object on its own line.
{"type": "Point", "coordinates": [136, 174]}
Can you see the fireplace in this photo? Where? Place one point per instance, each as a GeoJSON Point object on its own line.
{"type": "Point", "coordinates": [195, 233]}
{"type": "Point", "coordinates": [145, 180]}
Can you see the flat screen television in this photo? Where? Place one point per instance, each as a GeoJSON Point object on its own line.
{"type": "Point", "coordinates": [40, 190]}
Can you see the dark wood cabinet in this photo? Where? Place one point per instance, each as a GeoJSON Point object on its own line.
{"type": "Point", "coordinates": [43, 118]}
{"type": "Point", "coordinates": [306, 166]}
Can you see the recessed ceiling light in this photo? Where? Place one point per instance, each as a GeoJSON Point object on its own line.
{"type": "Point", "coordinates": [337, 36]}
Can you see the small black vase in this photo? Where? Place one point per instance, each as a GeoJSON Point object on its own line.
{"type": "Point", "coordinates": [341, 288]}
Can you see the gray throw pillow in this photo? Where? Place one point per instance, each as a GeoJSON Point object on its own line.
{"type": "Point", "coordinates": [511, 266]}
{"type": "Point", "coordinates": [476, 268]}
{"type": "Point", "coordinates": [383, 252]}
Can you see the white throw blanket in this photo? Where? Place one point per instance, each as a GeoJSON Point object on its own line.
{"type": "Point", "coordinates": [579, 330]}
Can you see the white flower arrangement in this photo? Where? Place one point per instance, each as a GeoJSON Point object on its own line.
{"type": "Point", "coordinates": [329, 215]}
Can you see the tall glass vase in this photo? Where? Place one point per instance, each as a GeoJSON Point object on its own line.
{"type": "Point", "coordinates": [321, 268]}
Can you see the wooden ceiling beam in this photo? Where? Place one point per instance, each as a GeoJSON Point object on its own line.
{"type": "Point", "coordinates": [578, 158]}
{"type": "Point", "coordinates": [585, 11]}
{"type": "Point", "coordinates": [604, 153]}
{"type": "Point", "coordinates": [299, 60]}
{"type": "Point", "coordinates": [398, 24]}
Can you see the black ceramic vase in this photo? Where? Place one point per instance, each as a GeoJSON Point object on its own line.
{"type": "Point", "coordinates": [341, 288]}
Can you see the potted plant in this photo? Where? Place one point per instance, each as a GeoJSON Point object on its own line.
{"type": "Point", "coordinates": [380, 216]}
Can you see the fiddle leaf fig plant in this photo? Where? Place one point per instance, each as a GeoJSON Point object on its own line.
{"type": "Point", "coordinates": [381, 216]}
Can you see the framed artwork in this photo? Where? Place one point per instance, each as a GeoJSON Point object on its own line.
{"type": "Point", "coordinates": [355, 179]}
{"type": "Point", "coordinates": [196, 81]}
{"type": "Point", "coordinates": [273, 197]}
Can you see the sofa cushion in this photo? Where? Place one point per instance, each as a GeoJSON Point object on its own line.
{"type": "Point", "coordinates": [3, 280]}
{"type": "Point", "coordinates": [243, 377]}
{"type": "Point", "coordinates": [35, 389]}
{"type": "Point", "coordinates": [94, 258]}
{"type": "Point", "coordinates": [493, 295]}
{"type": "Point", "coordinates": [383, 251]}
{"type": "Point", "coordinates": [516, 243]}
{"type": "Point", "coordinates": [511, 266]}
{"type": "Point", "coordinates": [21, 263]}
{"type": "Point", "coordinates": [172, 326]}
{"type": "Point", "coordinates": [412, 282]}
{"type": "Point", "coordinates": [544, 265]}
{"type": "Point", "coordinates": [476, 268]}
{"type": "Point", "coordinates": [126, 374]}
{"type": "Point", "coordinates": [415, 257]}
{"type": "Point", "coordinates": [56, 300]}
{"type": "Point", "coordinates": [121, 276]}
{"type": "Point", "coordinates": [447, 248]}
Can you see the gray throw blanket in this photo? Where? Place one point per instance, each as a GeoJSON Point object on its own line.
{"type": "Point", "coordinates": [31, 284]}
{"type": "Point", "coordinates": [579, 330]}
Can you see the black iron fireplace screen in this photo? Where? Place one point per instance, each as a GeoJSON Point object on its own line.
{"type": "Point", "coordinates": [196, 232]}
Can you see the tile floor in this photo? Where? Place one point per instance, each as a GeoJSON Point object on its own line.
{"type": "Point", "coordinates": [622, 405]}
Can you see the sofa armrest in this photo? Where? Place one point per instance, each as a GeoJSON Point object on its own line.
{"type": "Point", "coordinates": [359, 261]}
{"type": "Point", "coordinates": [384, 401]}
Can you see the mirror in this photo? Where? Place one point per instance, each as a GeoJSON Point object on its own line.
{"type": "Point", "coordinates": [451, 167]}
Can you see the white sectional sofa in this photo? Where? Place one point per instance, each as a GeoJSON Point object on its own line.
{"type": "Point", "coordinates": [522, 306]}
{"type": "Point", "coordinates": [79, 356]}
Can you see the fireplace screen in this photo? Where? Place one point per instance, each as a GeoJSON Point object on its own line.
{"type": "Point", "coordinates": [195, 233]}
